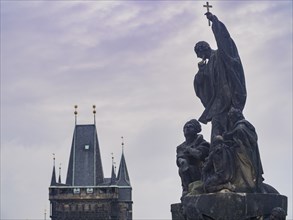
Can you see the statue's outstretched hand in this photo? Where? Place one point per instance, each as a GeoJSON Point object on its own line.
{"type": "Point", "coordinates": [210, 16]}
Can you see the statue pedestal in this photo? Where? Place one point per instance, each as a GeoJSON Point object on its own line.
{"type": "Point", "coordinates": [227, 206]}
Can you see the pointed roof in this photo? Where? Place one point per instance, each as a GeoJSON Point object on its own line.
{"type": "Point", "coordinates": [85, 164]}
{"type": "Point", "coordinates": [113, 176]}
{"type": "Point", "coordinates": [123, 177]}
{"type": "Point", "coordinates": [59, 178]}
{"type": "Point", "coordinates": [53, 178]}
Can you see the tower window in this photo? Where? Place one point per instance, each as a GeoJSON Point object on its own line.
{"type": "Point", "coordinates": [76, 190]}
{"type": "Point", "coordinates": [87, 147]}
{"type": "Point", "coordinates": [89, 190]}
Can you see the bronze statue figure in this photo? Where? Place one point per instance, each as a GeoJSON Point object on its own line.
{"type": "Point", "coordinates": [243, 139]}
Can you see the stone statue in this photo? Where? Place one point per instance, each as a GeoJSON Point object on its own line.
{"type": "Point", "coordinates": [223, 179]}
{"type": "Point", "coordinates": [219, 82]}
{"type": "Point", "coordinates": [191, 154]}
{"type": "Point", "coordinates": [243, 139]}
{"type": "Point", "coordinates": [219, 168]}
{"type": "Point", "coordinates": [234, 161]}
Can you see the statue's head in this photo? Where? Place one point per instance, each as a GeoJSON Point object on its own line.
{"type": "Point", "coordinates": [202, 50]}
{"type": "Point", "coordinates": [191, 128]}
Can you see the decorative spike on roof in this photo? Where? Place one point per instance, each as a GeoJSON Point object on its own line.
{"type": "Point", "coordinates": [75, 113]}
{"type": "Point", "coordinates": [113, 174]}
{"type": "Point", "coordinates": [123, 177]}
{"type": "Point", "coordinates": [53, 178]}
{"type": "Point", "coordinates": [94, 112]}
{"type": "Point", "coordinates": [59, 179]}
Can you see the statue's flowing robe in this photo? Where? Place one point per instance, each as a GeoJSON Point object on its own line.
{"type": "Point", "coordinates": [239, 163]}
{"type": "Point", "coordinates": [221, 84]}
{"type": "Point", "coordinates": [248, 172]}
{"type": "Point", "coordinates": [219, 168]}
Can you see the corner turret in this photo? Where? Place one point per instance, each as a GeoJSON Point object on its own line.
{"type": "Point", "coordinates": [123, 176]}
{"type": "Point", "coordinates": [123, 180]}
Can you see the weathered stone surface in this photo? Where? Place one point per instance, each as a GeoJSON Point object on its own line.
{"type": "Point", "coordinates": [177, 211]}
{"type": "Point", "coordinates": [231, 206]}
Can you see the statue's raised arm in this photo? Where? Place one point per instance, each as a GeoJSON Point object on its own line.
{"type": "Point", "coordinates": [224, 41]}
{"type": "Point", "coordinates": [219, 82]}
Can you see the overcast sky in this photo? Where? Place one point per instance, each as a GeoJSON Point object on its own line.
{"type": "Point", "coordinates": [134, 60]}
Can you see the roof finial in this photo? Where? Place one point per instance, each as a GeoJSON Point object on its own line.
{"type": "Point", "coordinates": [112, 158]}
{"type": "Point", "coordinates": [53, 159]}
{"type": "Point", "coordinates": [94, 111]}
{"type": "Point", "coordinates": [75, 113]}
{"type": "Point", "coordinates": [53, 179]}
{"type": "Point", "coordinates": [113, 162]}
{"type": "Point", "coordinates": [122, 144]}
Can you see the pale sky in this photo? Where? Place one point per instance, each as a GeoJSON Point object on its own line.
{"type": "Point", "coordinates": [134, 60]}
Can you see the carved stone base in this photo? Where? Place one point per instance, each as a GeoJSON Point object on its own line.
{"type": "Point", "coordinates": [227, 206]}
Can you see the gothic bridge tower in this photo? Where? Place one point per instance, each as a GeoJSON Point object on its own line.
{"type": "Point", "coordinates": [87, 194]}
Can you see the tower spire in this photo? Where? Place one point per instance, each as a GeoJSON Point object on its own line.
{"type": "Point", "coordinates": [94, 111]}
{"type": "Point", "coordinates": [95, 147]}
{"type": "Point", "coordinates": [85, 164]}
{"type": "Point", "coordinates": [53, 179]}
{"type": "Point", "coordinates": [74, 137]}
{"type": "Point", "coordinates": [113, 174]}
{"type": "Point", "coordinates": [113, 163]}
{"type": "Point", "coordinates": [122, 143]}
{"type": "Point", "coordinates": [75, 113]}
{"type": "Point", "coordinates": [123, 177]}
{"type": "Point", "coordinates": [59, 179]}
{"type": "Point", "coordinates": [112, 159]}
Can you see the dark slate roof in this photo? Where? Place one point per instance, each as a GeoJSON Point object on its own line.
{"type": "Point", "coordinates": [59, 179]}
{"type": "Point", "coordinates": [85, 165]}
{"type": "Point", "coordinates": [53, 178]}
{"type": "Point", "coordinates": [113, 176]}
{"type": "Point", "coordinates": [123, 177]}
